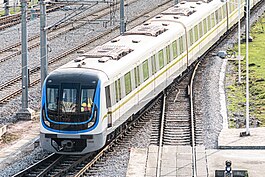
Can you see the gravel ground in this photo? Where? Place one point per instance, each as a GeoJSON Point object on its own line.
{"type": "Point", "coordinates": [25, 159]}
{"type": "Point", "coordinates": [208, 99]}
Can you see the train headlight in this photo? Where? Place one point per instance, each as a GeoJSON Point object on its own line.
{"type": "Point", "coordinates": [90, 124]}
{"type": "Point", "coordinates": [93, 120]}
{"type": "Point", "coordinates": [47, 123]}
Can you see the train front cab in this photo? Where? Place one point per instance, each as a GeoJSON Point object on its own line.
{"type": "Point", "coordinates": [70, 112]}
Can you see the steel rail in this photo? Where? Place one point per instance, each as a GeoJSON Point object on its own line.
{"type": "Point", "coordinates": [51, 158]}
{"type": "Point", "coordinates": [160, 147]}
{"type": "Point", "coordinates": [193, 142]}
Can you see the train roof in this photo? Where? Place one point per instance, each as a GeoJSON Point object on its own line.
{"type": "Point", "coordinates": [123, 53]}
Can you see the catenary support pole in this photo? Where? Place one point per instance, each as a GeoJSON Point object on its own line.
{"type": "Point", "coordinates": [122, 23]}
{"type": "Point", "coordinates": [6, 2]}
{"type": "Point", "coordinates": [24, 42]}
{"type": "Point", "coordinates": [239, 40]}
{"type": "Point", "coordinates": [43, 42]}
{"type": "Point", "coordinates": [247, 70]}
{"type": "Point", "coordinates": [25, 112]}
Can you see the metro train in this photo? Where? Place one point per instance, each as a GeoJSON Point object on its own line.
{"type": "Point", "coordinates": [86, 101]}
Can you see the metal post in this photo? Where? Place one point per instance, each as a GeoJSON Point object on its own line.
{"type": "Point", "coordinates": [24, 43]}
{"type": "Point", "coordinates": [32, 13]}
{"type": "Point", "coordinates": [6, 2]}
{"type": "Point", "coordinates": [239, 49]}
{"type": "Point", "coordinates": [25, 112]}
{"type": "Point", "coordinates": [247, 76]}
{"type": "Point", "coordinates": [122, 24]}
{"type": "Point", "coordinates": [43, 42]}
{"type": "Point", "coordinates": [14, 5]}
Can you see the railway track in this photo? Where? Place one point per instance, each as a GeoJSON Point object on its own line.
{"type": "Point", "coordinates": [56, 165]}
{"type": "Point", "coordinates": [61, 56]}
{"type": "Point", "coordinates": [11, 20]}
{"type": "Point", "coordinates": [176, 125]}
{"type": "Point", "coordinates": [177, 115]}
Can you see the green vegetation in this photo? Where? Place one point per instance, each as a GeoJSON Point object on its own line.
{"type": "Point", "coordinates": [235, 92]}
{"type": "Point", "coordinates": [15, 10]}
{"type": "Point", "coordinates": [11, 11]}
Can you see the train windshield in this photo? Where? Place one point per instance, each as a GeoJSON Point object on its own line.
{"type": "Point", "coordinates": [69, 100]}
{"type": "Point", "coordinates": [53, 98]}
{"type": "Point", "coordinates": [87, 95]}
{"type": "Point", "coordinates": [72, 99]}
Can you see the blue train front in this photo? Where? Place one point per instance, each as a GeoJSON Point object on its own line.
{"type": "Point", "coordinates": [70, 112]}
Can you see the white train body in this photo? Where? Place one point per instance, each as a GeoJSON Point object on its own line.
{"type": "Point", "coordinates": [126, 73]}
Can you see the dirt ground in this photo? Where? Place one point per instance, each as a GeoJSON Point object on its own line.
{"type": "Point", "coordinates": [17, 131]}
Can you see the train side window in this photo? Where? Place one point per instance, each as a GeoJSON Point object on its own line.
{"type": "Point", "coordinates": [220, 14]}
{"type": "Point", "coordinates": [153, 62]}
{"type": "Point", "coordinates": [168, 54]}
{"type": "Point", "coordinates": [113, 96]}
{"type": "Point", "coordinates": [233, 5]}
{"type": "Point", "coordinates": [145, 70]}
{"type": "Point", "coordinates": [224, 11]}
{"type": "Point", "coordinates": [200, 30]}
{"type": "Point", "coordinates": [181, 45]}
{"type": "Point", "coordinates": [118, 89]}
{"type": "Point", "coordinates": [185, 43]}
{"type": "Point", "coordinates": [209, 23]}
{"type": "Point", "coordinates": [205, 26]}
{"type": "Point", "coordinates": [136, 76]}
{"type": "Point", "coordinates": [196, 33]}
{"type": "Point", "coordinates": [213, 20]}
{"type": "Point", "coordinates": [216, 16]}
{"type": "Point", "coordinates": [178, 48]}
{"type": "Point", "coordinates": [128, 83]}
{"type": "Point", "coordinates": [190, 37]}
{"type": "Point", "coordinates": [161, 59]}
{"type": "Point", "coordinates": [174, 48]}
{"type": "Point", "coordinates": [108, 98]}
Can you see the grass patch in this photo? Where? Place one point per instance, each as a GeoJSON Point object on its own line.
{"type": "Point", "coordinates": [15, 10]}
{"type": "Point", "coordinates": [236, 93]}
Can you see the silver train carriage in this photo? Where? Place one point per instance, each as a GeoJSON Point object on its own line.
{"type": "Point", "coordinates": [86, 100]}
